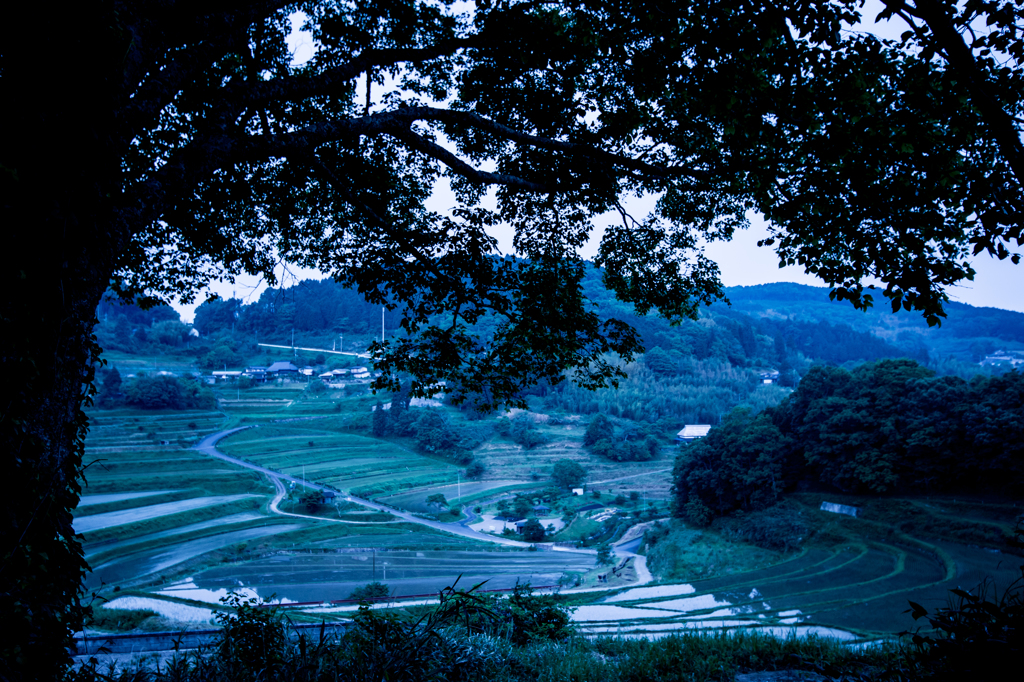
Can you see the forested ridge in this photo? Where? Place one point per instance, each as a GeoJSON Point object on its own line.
{"type": "Point", "coordinates": [785, 327]}
{"type": "Point", "coordinates": [885, 427]}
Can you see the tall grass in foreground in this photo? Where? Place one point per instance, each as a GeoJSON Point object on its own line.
{"type": "Point", "coordinates": [469, 637]}
{"type": "Point", "coordinates": [454, 654]}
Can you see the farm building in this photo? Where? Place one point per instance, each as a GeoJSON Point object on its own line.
{"type": "Point", "coordinates": [282, 369]}
{"type": "Point", "coordinates": [692, 432]}
{"type": "Point", "coordinates": [256, 373]}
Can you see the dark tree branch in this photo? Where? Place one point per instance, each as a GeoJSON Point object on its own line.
{"type": "Point", "coordinates": [959, 56]}
{"type": "Point", "coordinates": [342, 188]}
{"type": "Point", "coordinates": [436, 151]}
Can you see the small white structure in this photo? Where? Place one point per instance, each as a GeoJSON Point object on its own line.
{"type": "Point", "coordinates": [834, 508]}
{"type": "Point", "coordinates": [577, 491]}
{"type": "Point", "coordinates": [692, 432]}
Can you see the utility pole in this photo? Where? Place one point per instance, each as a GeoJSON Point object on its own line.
{"type": "Point", "coordinates": [382, 324]}
{"type": "Point", "coordinates": [458, 479]}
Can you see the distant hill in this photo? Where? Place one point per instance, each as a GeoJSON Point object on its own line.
{"type": "Point", "coordinates": [968, 333]}
{"type": "Point", "coordinates": [784, 327]}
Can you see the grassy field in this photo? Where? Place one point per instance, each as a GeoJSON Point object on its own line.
{"type": "Point", "coordinates": [837, 575]}
{"type": "Point", "coordinates": [366, 467]}
{"type": "Point", "coordinates": [158, 514]}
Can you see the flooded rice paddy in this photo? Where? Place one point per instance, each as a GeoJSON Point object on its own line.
{"type": "Point", "coordinates": [650, 592]}
{"type": "Point", "coordinates": [91, 500]}
{"type": "Point", "coordinates": [182, 613]}
{"type": "Point", "coordinates": [85, 524]}
{"type": "Point", "coordinates": [156, 560]}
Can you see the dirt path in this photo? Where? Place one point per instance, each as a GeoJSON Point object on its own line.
{"type": "Point", "coordinates": [623, 478]}
{"type": "Point", "coordinates": [208, 446]}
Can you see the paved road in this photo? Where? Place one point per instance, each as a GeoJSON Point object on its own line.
{"type": "Point", "coordinates": [208, 447]}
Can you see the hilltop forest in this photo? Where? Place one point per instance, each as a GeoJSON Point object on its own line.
{"type": "Point", "coordinates": [693, 372]}
{"type": "Point", "coordinates": [885, 427]}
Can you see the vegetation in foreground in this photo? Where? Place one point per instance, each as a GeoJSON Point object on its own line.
{"type": "Point", "coordinates": [526, 637]}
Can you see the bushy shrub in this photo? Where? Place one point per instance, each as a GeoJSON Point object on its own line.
{"type": "Point", "coordinates": [524, 617]}
{"type": "Point", "coordinates": [568, 474]}
{"type": "Point", "coordinates": [253, 638]}
{"type": "Point", "coordinates": [475, 470]}
{"type": "Point", "coordinates": [371, 592]}
{"type": "Point", "coordinates": [164, 392]}
{"type": "Point", "coordinates": [524, 432]}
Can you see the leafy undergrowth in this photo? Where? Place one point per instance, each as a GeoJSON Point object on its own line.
{"type": "Point", "coordinates": [469, 637]}
{"type": "Point", "coordinates": [675, 552]}
{"type": "Point", "coordinates": [480, 639]}
{"type": "Point", "coordinates": [119, 620]}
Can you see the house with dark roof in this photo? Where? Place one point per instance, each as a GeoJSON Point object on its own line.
{"type": "Point", "coordinates": [282, 368]}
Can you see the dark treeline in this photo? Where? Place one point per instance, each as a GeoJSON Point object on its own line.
{"type": "Point", "coordinates": [888, 426]}
{"type": "Point", "coordinates": [702, 368]}
{"type": "Point", "coordinates": [967, 333]}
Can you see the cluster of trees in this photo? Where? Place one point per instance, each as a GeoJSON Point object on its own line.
{"type": "Point", "coordinates": [520, 429]}
{"type": "Point", "coordinates": [129, 328]}
{"type": "Point", "coordinates": [312, 308]}
{"type": "Point", "coordinates": [629, 443]}
{"type": "Point", "coordinates": [432, 430]}
{"type": "Point", "coordinates": [156, 392]}
{"type": "Point", "coordinates": [888, 426]}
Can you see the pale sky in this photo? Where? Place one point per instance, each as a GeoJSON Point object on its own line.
{"type": "Point", "coordinates": [742, 263]}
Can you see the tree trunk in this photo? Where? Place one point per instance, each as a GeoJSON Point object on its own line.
{"type": "Point", "coordinates": [47, 360]}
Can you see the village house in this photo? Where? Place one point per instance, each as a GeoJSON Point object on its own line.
{"type": "Point", "coordinates": [282, 368]}
{"type": "Point", "coordinates": [692, 432]}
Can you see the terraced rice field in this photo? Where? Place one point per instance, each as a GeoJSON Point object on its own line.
{"type": "Point", "coordinates": [150, 505]}
{"type": "Point", "coordinates": [333, 576]}
{"type": "Point", "coordinates": [270, 399]}
{"type": "Point", "coordinates": [364, 466]}
{"type": "Point", "coordinates": [504, 459]}
{"type": "Point", "coordinates": [456, 493]}
{"type": "Point", "coordinates": [849, 592]}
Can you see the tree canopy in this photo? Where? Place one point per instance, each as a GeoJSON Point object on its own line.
{"type": "Point", "coordinates": [888, 426]}
{"type": "Point", "coordinates": [155, 146]}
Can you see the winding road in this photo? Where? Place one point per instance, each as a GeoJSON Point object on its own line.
{"type": "Point", "coordinates": [208, 446]}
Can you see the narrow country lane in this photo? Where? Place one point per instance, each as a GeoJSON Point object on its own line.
{"type": "Point", "coordinates": [208, 446]}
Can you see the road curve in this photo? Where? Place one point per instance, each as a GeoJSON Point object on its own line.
{"type": "Point", "coordinates": [208, 447]}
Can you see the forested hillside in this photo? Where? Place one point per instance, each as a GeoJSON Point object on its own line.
{"type": "Point", "coordinates": [967, 333]}
{"type": "Point", "coordinates": [885, 427]}
{"type": "Point", "coordinates": [693, 370]}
